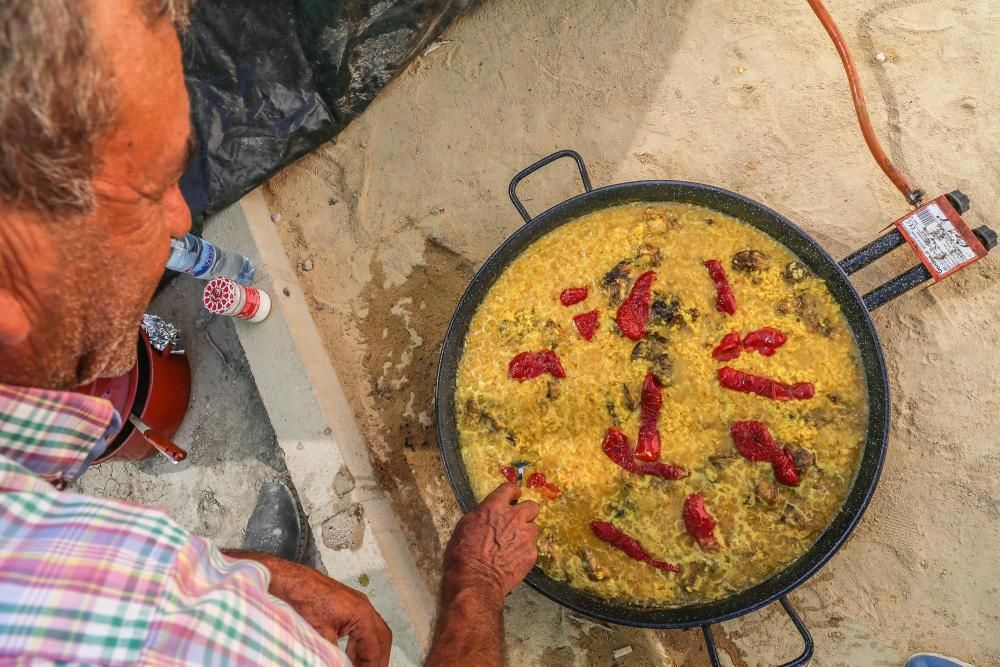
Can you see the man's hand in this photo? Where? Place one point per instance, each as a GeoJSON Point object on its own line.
{"type": "Point", "coordinates": [333, 609]}
{"type": "Point", "coordinates": [490, 552]}
{"type": "Point", "coordinates": [493, 547]}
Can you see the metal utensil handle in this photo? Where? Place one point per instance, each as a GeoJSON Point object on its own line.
{"type": "Point", "coordinates": [807, 639]}
{"type": "Point", "coordinates": [164, 445]}
{"type": "Point", "coordinates": [512, 190]}
{"type": "Point", "coordinates": [157, 440]}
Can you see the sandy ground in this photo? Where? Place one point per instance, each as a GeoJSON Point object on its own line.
{"type": "Point", "coordinates": [232, 449]}
{"type": "Point", "coordinates": [400, 210]}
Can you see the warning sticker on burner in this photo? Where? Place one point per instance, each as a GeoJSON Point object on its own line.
{"type": "Point", "coordinates": [941, 238]}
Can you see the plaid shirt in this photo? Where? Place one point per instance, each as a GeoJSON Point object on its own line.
{"type": "Point", "coordinates": [88, 581]}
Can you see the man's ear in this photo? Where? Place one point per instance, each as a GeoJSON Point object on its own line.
{"type": "Point", "coordinates": [14, 324]}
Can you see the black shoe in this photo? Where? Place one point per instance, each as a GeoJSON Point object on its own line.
{"type": "Point", "coordinates": [275, 527]}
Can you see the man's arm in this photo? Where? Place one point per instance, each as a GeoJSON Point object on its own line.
{"type": "Point", "coordinates": [490, 552]}
{"type": "Point", "coordinates": [331, 608]}
{"type": "Point", "coordinates": [469, 628]}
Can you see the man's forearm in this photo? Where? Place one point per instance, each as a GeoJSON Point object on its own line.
{"type": "Point", "coordinates": [469, 629]}
{"type": "Point", "coordinates": [490, 552]}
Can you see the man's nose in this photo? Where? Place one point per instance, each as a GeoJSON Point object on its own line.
{"type": "Point", "coordinates": [178, 213]}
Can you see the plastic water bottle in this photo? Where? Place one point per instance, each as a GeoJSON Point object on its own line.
{"type": "Point", "coordinates": [201, 259]}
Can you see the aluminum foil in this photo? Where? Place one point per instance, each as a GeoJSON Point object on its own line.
{"type": "Point", "coordinates": [162, 333]}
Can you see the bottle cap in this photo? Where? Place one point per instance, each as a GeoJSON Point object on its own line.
{"type": "Point", "coordinates": [222, 296]}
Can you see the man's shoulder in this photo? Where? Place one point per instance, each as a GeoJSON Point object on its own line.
{"type": "Point", "coordinates": [81, 576]}
{"type": "Point", "coordinates": [42, 512]}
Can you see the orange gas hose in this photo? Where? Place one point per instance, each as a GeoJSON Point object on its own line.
{"type": "Point", "coordinates": [913, 195]}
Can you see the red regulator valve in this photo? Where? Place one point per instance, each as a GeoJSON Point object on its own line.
{"type": "Point", "coordinates": [943, 241]}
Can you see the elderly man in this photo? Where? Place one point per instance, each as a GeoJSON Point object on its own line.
{"type": "Point", "coordinates": [95, 135]}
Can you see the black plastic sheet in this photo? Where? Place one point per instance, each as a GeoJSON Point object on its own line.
{"type": "Point", "coordinates": [269, 81]}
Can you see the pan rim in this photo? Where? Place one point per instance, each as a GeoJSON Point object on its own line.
{"type": "Point", "coordinates": [870, 465]}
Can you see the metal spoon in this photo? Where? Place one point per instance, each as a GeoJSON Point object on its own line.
{"type": "Point", "coordinates": [519, 467]}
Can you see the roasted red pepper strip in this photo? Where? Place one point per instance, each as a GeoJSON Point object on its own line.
{"type": "Point", "coordinates": [756, 443]}
{"type": "Point", "coordinates": [729, 348]}
{"type": "Point", "coordinates": [730, 378]}
{"type": "Point", "coordinates": [573, 295]}
{"type": "Point", "coordinates": [529, 365]}
{"type": "Point", "coordinates": [784, 468]}
{"type": "Point", "coordinates": [700, 523]}
{"type": "Point", "coordinates": [587, 323]}
{"type": "Point", "coordinates": [509, 474]}
{"type": "Point", "coordinates": [536, 480]}
{"type": "Point", "coordinates": [765, 341]}
{"type": "Point", "coordinates": [753, 440]}
{"type": "Point", "coordinates": [634, 312]}
{"type": "Point", "coordinates": [607, 532]}
{"type": "Point", "coordinates": [647, 447]}
{"type": "Point", "coordinates": [661, 470]}
{"type": "Point", "coordinates": [618, 448]}
{"type": "Point", "coordinates": [725, 300]}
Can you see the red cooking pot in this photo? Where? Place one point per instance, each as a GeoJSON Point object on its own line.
{"type": "Point", "coordinates": [156, 391]}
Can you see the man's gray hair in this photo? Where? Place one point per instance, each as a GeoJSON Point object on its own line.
{"type": "Point", "coordinates": [56, 98]}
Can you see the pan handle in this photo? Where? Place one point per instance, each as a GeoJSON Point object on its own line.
{"type": "Point", "coordinates": [512, 190]}
{"type": "Point", "coordinates": [799, 625]}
